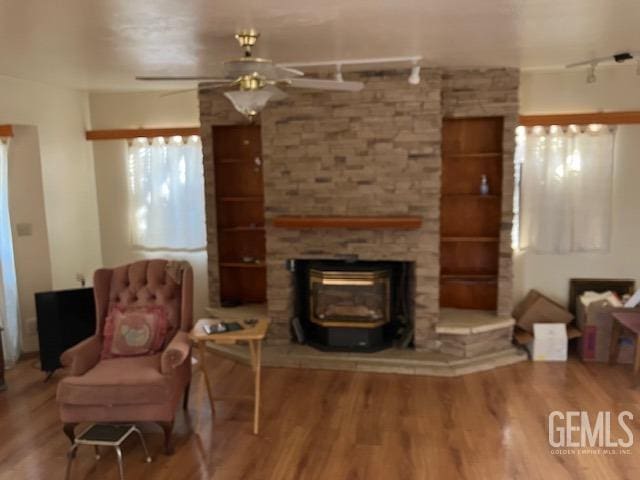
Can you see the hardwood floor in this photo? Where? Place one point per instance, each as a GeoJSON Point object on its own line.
{"type": "Point", "coordinates": [343, 425]}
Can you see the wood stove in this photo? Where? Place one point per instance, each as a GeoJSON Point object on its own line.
{"type": "Point", "coordinates": [342, 298]}
{"type": "Point", "coordinates": [350, 305]}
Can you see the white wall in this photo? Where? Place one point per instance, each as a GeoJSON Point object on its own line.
{"type": "Point", "coordinates": [135, 110]}
{"type": "Point", "coordinates": [616, 89]}
{"type": "Point", "coordinates": [68, 181]}
{"type": "Point", "coordinates": [67, 172]}
{"type": "Point", "coordinates": [144, 109]}
{"type": "Point", "coordinates": [27, 208]}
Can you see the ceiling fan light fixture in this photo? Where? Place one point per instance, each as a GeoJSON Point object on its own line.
{"type": "Point", "coordinates": [251, 82]}
{"type": "Point", "coordinates": [247, 39]}
{"type": "Point", "coordinates": [249, 102]}
{"type": "Point", "coordinates": [414, 76]}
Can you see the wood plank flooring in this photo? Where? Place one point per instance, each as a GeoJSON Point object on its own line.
{"type": "Point", "coordinates": [342, 425]}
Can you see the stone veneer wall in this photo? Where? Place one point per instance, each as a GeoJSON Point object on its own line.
{"type": "Point", "coordinates": [375, 152]}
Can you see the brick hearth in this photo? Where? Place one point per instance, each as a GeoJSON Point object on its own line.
{"type": "Point", "coordinates": [372, 153]}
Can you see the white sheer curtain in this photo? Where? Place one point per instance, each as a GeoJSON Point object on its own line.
{"type": "Point", "coordinates": [166, 186]}
{"type": "Point", "coordinates": [566, 188]}
{"type": "Point", "coordinates": [9, 315]}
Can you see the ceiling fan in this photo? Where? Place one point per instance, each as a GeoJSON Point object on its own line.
{"type": "Point", "coordinates": [257, 79]}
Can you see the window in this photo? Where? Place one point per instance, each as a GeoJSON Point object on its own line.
{"type": "Point", "coordinates": [166, 193]}
{"type": "Point", "coordinates": [565, 188]}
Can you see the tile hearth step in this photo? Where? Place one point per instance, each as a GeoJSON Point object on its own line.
{"type": "Point", "coordinates": [455, 321]}
{"type": "Point", "coordinates": [469, 333]}
{"type": "Point", "coordinates": [399, 361]}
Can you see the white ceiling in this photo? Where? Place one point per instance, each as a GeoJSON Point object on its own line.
{"type": "Point", "coordinates": [103, 44]}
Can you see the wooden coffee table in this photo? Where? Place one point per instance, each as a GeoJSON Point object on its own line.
{"type": "Point", "coordinates": [253, 336]}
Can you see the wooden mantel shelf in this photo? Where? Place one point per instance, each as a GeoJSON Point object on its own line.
{"type": "Point", "coordinates": [360, 223]}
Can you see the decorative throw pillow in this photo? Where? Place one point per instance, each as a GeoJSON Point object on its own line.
{"type": "Point", "coordinates": [134, 331]}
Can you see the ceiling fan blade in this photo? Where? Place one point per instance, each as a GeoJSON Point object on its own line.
{"type": "Point", "coordinates": [287, 72]}
{"type": "Point", "coordinates": [178, 92]}
{"type": "Point", "coordinates": [185, 78]}
{"type": "Point", "coordinates": [317, 84]}
{"type": "Point", "coordinates": [215, 86]}
{"type": "Point", "coordinates": [277, 93]}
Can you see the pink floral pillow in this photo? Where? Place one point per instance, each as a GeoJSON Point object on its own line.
{"type": "Point", "coordinates": [134, 331]}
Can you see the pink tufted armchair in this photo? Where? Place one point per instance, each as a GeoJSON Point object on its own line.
{"type": "Point", "coordinates": [132, 389]}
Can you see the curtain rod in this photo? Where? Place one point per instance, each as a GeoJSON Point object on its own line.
{"type": "Point", "coordinates": [606, 118]}
{"type": "Point", "coordinates": [126, 134]}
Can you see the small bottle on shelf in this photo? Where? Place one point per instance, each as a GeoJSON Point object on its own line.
{"type": "Point", "coordinates": [484, 185]}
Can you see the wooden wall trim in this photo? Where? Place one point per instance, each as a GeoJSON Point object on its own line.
{"type": "Point", "coordinates": [606, 118]}
{"type": "Point", "coordinates": [6, 131]}
{"type": "Point", "coordinates": [125, 134]}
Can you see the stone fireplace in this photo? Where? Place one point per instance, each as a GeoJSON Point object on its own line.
{"type": "Point", "coordinates": [372, 153]}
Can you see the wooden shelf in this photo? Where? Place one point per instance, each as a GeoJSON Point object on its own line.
{"type": "Point", "coordinates": [243, 229]}
{"type": "Point", "coordinates": [242, 265]}
{"type": "Point", "coordinates": [470, 239]}
{"type": "Point", "coordinates": [360, 223]}
{"type": "Point", "coordinates": [470, 195]}
{"type": "Point", "coordinates": [240, 213]}
{"type": "Point", "coordinates": [241, 199]}
{"type": "Point", "coordinates": [472, 155]}
{"type": "Point", "coordinates": [469, 221]}
{"type": "Point", "coordinates": [236, 160]}
{"type": "Point", "coordinates": [466, 277]}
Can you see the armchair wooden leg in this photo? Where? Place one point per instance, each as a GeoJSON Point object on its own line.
{"type": "Point", "coordinates": [185, 399]}
{"type": "Point", "coordinates": [167, 427]}
{"type": "Point", "coordinates": [69, 431]}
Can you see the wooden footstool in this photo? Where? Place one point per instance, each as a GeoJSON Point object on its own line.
{"type": "Point", "coordinates": [629, 321]}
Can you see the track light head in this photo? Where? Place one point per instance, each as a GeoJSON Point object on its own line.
{"type": "Point", "coordinates": [414, 77]}
{"type": "Point", "coordinates": [622, 57]}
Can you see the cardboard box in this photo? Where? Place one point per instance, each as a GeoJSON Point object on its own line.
{"type": "Point", "coordinates": [550, 343]}
{"type": "Point", "coordinates": [536, 308]}
{"type": "Point", "coordinates": [545, 344]}
{"type": "Point", "coordinates": [595, 321]}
